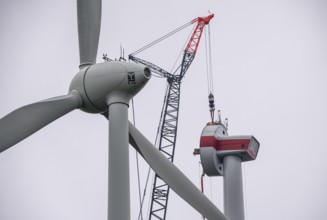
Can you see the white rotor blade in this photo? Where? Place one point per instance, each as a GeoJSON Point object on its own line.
{"type": "Point", "coordinates": [28, 119]}
{"type": "Point", "coordinates": [173, 176]}
{"type": "Point", "coordinates": [89, 22]}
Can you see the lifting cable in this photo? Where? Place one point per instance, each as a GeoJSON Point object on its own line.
{"type": "Point", "coordinates": [141, 198]}
{"type": "Point", "coordinates": [201, 174]}
{"type": "Point", "coordinates": [210, 62]}
{"type": "Point", "coordinates": [162, 38]}
{"type": "Point", "coordinates": [149, 169]}
{"type": "Point", "coordinates": [137, 165]}
{"type": "Point", "coordinates": [209, 74]}
{"type": "Point", "coordinates": [180, 53]}
{"type": "Point", "coordinates": [210, 95]}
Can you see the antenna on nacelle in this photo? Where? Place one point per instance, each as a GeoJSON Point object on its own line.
{"type": "Point", "coordinates": [219, 116]}
{"type": "Point", "coordinates": [122, 52]}
{"type": "Point", "coordinates": [226, 123]}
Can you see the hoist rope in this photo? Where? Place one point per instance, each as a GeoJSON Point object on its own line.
{"type": "Point", "coordinates": [211, 189]}
{"type": "Point", "coordinates": [182, 50]}
{"type": "Point", "coordinates": [179, 55]}
{"type": "Point", "coordinates": [161, 38]}
{"type": "Point", "coordinates": [207, 69]}
{"type": "Point", "coordinates": [149, 169]}
{"type": "Point", "coordinates": [137, 166]}
{"type": "Point", "coordinates": [209, 61]}
{"type": "Point", "coordinates": [201, 175]}
{"type": "Point", "coordinates": [157, 76]}
{"type": "Point", "coordinates": [141, 198]}
{"type": "Point", "coordinates": [162, 114]}
{"type": "Point", "coordinates": [144, 193]}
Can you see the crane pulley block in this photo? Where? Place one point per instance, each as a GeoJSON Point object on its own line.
{"type": "Point", "coordinates": [211, 102]}
{"type": "Point", "coordinates": [212, 106]}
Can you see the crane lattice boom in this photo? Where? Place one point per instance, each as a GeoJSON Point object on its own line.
{"type": "Point", "coordinates": [169, 118]}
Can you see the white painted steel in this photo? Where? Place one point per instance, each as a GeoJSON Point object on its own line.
{"type": "Point", "coordinates": [233, 188]}
{"type": "Point", "coordinates": [119, 191]}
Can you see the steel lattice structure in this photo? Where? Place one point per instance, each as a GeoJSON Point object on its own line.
{"type": "Point", "coordinates": [169, 117]}
{"type": "Point", "coordinates": [168, 136]}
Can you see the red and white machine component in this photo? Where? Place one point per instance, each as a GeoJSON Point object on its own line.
{"type": "Point", "coordinates": [215, 144]}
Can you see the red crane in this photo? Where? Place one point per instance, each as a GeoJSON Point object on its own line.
{"type": "Point", "coordinates": [169, 118]}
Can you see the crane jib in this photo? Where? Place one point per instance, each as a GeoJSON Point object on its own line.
{"type": "Point", "coordinates": [169, 117]}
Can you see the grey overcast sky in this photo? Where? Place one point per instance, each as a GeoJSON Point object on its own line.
{"type": "Point", "coordinates": [270, 74]}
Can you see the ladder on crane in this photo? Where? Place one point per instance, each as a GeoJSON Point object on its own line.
{"type": "Point", "coordinates": [169, 118]}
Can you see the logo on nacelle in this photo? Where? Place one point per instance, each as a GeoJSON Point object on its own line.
{"type": "Point", "coordinates": [131, 78]}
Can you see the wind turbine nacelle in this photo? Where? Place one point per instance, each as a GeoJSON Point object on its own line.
{"type": "Point", "coordinates": [215, 144]}
{"type": "Point", "coordinates": [216, 136]}
{"type": "Point", "coordinates": [105, 83]}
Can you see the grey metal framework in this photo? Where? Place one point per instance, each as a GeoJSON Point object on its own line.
{"type": "Point", "coordinates": [168, 131]}
{"type": "Point", "coordinates": [168, 136]}
{"type": "Point", "coordinates": [167, 140]}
